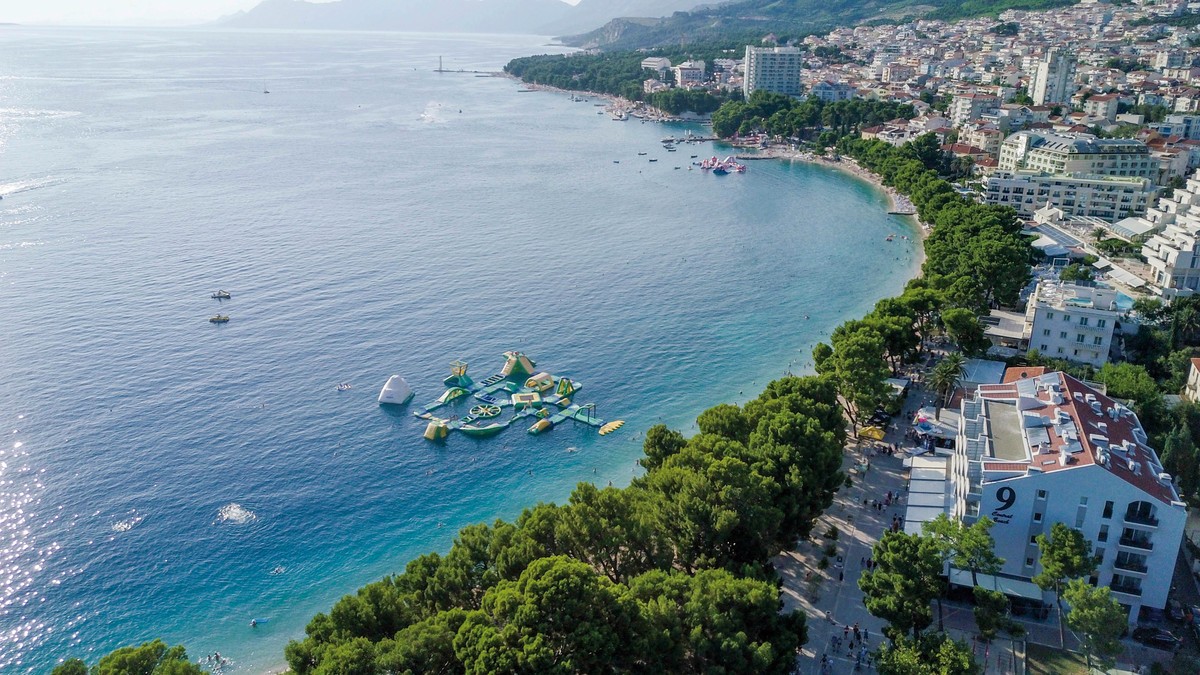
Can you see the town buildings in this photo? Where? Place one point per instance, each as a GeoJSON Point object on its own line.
{"type": "Point", "coordinates": [1076, 153]}
{"type": "Point", "coordinates": [1173, 253]}
{"type": "Point", "coordinates": [773, 69]}
{"type": "Point", "coordinates": [1073, 322]}
{"type": "Point", "coordinates": [1054, 81]}
{"type": "Point", "coordinates": [1110, 198]}
{"type": "Point", "coordinates": [1049, 449]}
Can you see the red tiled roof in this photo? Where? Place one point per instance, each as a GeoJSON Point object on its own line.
{"type": "Point", "coordinates": [1004, 466]}
{"type": "Point", "coordinates": [1023, 372]}
{"type": "Point", "coordinates": [1117, 431]}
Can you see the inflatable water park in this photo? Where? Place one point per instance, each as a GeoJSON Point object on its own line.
{"type": "Point", "coordinates": [518, 394]}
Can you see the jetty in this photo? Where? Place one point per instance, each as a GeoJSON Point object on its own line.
{"type": "Point", "coordinates": [518, 393]}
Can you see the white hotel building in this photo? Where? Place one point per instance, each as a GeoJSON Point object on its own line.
{"type": "Point", "coordinates": [773, 69]}
{"type": "Point", "coordinates": [1073, 322]}
{"type": "Point", "coordinates": [1049, 449]}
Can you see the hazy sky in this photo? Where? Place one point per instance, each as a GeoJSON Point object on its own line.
{"type": "Point", "coordinates": [123, 12]}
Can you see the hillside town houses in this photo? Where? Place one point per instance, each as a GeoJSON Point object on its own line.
{"type": "Point", "coordinates": [1090, 111]}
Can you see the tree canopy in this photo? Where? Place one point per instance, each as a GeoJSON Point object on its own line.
{"type": "Point", "coordinates": [148, 658]}
{"type": "Point", "coordinates": [668, 575]}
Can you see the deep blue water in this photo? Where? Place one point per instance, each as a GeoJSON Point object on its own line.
{"type": "Point", "coordinates": [365, 227]}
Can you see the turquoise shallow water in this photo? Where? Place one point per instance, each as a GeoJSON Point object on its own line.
{"type": "Point", "coordinates": [365, 227]}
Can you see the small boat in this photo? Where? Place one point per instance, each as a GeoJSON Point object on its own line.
{"type": "Point", "coordinates": [640, 154]}
{"type": "Point", "coordinates": [220, 318]}
{"type": "Point", "coordinates": [720, 171]}
{"type": "Point", "coordinates": [695, 156]}
{"type": "Point", "coordinates": [654, 160]}
{"type": "Point", "coordinates": [616, 161]}
{"type": "Point", "coordinates": [221, 295]}
{"type": "Point", "coordinates": [395, 392]}
{"type": "Point", "coordinates": [254, 622]}
{"type": "Point", "coordinates": [890, 237]}
{"type": "Point", "coordinates": [345, 386]}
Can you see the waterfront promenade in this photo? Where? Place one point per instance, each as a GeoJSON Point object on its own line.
{"type": "Point", "coordinates": [831, 599]}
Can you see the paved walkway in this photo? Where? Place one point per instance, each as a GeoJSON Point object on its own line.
{"type": "Point", "coordinates": [831, 599]}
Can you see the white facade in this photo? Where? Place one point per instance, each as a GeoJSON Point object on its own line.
{"type": "Point", "coordinates": [970, 107]}
{"type": "Point", "coordinates": [689, 72]}
{"type": "Point", "coordinates": [658, 64]}
{"type": "Point", "coordinates": [774, 69]}
{"type": "Point", "coordinates": [1103, 106]}
{"type": "Point", "coordinates": [831, 92]}
{"type": "Point", "coordinates": [1072, 322]}
{"type": "Point", "coordinates": [1174, 254]}
{"type": "Point", "coordinates": [1191, 390]}
{"type": "Point", "coordinates": [1048, 450]}
{"type": "Point", "coordinates": [1054, 82]}
{"type": "Point", "coordinates": [1106, 197]}
{"type": "Point", "coordinates": [1076, 154]}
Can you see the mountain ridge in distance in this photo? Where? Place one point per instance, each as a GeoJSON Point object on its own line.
{"type": "Point", "coordinates": [468, 16]}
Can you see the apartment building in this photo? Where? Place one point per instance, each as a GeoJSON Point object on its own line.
{"type": "Point", "coordinates": [1076, 153]}
{"type": "Point", "coordinates": [1072, 322]}
{"type": "Point", "coordinates": [1049, 449]}
{"type": "Point", "coordinates": [774, 69]}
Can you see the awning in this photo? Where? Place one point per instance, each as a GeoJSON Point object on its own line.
{"type": "Point", "coordinates": [1009, 586]}
{"type": "Point", "coordinates": [1125, 277]}
{"type": "Point", "coordinates": [874, 433]}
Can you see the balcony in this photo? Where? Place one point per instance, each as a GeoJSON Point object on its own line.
{"type": "Point", "coordinates": [1127, 590]}
{"type": "Point", "coordinates": [1142, 520]}
{"type": "Point", "coordinates": [1131, 566]}
{"type": "Point", "coordinates": [1143, 544]}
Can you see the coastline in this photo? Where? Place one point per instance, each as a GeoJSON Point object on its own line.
{"type": "Point", "coordinates": [896, 201]}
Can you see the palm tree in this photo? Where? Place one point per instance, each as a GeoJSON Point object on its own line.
{"type": "Point", "coordinates": [946, 375]}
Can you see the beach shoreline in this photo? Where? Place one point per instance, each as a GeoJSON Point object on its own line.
{"type": "Point", "coordinates": [896, 201]}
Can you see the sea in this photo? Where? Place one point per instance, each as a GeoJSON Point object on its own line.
{"type": "Point", "coordinates": [164, 476]}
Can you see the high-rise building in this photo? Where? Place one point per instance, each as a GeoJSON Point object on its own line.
{"type": "Point", "coordinates": [774, 69]}
{"type": "Point", "coordinates": [1054, 82]}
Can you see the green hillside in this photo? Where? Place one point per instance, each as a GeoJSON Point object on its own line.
{"type": "Point", "coordinates": [749, 20]}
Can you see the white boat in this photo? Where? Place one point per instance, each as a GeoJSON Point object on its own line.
{"type": "Point", "coordinates": [395, 392]}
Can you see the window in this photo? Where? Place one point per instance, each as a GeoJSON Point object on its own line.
{"type": "Point", "coordinates": [1067, 318]}
{"type": "Point", "coordinates": [1029, 562]}
{"type": "Point", "coordinates": [1044, 347]}
{"type": "Point", "coordinates": [1103, 536]}
{"type": "Point", "coordinates": [1079, 337]}
{"type": "Point", "coordinates": [1083, 501]}
{"type": "Point", "coordinates": [1037, 517]}
{"type": "Point", "coordinates": [1083, 321]}
{"type": "Point", "coordinates": [1046, 332]}
{"type": "Point", "coordinates": [1108, 507]}
{"type": "Point", "coordinates": [1041, 494]}
{"type": "Point", "coordinates": [1033, 539]}
{"type": "Point", "coordinates": [1062, 335]}
{"type": "Point", "coordinates": [1097, 340]}
{"type": "Point", "coordinates": [1079, 519]}
{"type": "Point", "coordinates": [1100, 553]}
{"type": "Point", "coordinates": [1101, 323]}
{"type": "Point", "coordinates": [1060, 350]}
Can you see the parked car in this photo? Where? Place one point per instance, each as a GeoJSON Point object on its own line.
{"type": "Point", "coordinates": [1156, 637]}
